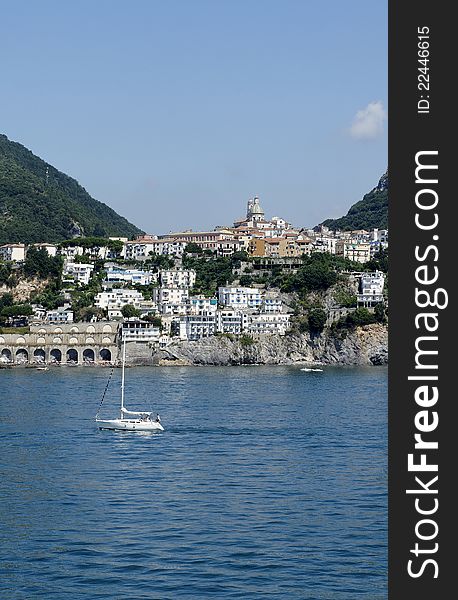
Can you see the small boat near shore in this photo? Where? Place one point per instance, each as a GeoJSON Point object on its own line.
{"type": "Point", "coordinates": [129, 420]}
{"type": "Point", "coordinates": [310, 370]}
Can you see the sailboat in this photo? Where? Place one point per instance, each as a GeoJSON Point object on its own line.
{"type": "Point", "coordinates": [129, 420]}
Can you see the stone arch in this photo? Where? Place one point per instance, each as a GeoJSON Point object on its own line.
{"type": "Point", "coordinates": [22, 355]}
{"type": "Point", "coordinates": [72, 355]}
{"type": "Point", "coordinates": [90, 329]}
{"type": "Point", "coordinates": [58, 330]}
{"type": "Point", "coordinates": [73, 340]}
{"type": "Point", "coordinates": [74, 329]}
{"type": "Point", "coordinates": [42, 331]}
{"type": "Point", "coordinates": [20, 340]}
{"type": "Point", "coordinates": [57, 340]}
{"type": "Point", "coordinates": [2, 340]}
{"type": "Point", "coordinates": [41, 341]}
{"type": "Point", "coordinates": [90, 340]}
{"type": "Point", "coordinates": [107, 329]}
{"type": "Point", "coordinates": [56, 355]}
{"type": "Point", "coordinates": [5, 355]}
{"type": "Point", "coordinates": [106, 340]}
{"type": "Point", "coordinates": [89, 355]}
{"type": "Point", "coordinates": [39, 355]}
{"type": "Point", "coordinates": [105, 354]}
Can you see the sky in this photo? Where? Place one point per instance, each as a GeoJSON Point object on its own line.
{"type": "Point", "coordinates": [176, 112]}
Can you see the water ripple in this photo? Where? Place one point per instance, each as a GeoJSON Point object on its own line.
{"type": "Point", "coordinates": [267, 483]}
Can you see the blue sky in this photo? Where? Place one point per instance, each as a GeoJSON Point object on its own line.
{"type": "Point", "coordinates": [175, 112]}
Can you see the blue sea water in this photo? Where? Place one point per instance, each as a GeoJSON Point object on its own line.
{"type": "Point", "coordinates": [269, 482]}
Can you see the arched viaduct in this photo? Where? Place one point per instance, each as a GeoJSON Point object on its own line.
{"type": "Point", "coordinates": [72, 343]}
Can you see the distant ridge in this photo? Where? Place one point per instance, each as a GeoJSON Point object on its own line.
{"type": "Point", "coordinates": [369, 213]}
{"type": "Point", "coordinates": [38, 203]}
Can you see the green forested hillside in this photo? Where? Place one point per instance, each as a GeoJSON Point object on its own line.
{"type": "Point", "coordinates": [38, 203]}
{"type": "Point", "coordinates": [369, 213]}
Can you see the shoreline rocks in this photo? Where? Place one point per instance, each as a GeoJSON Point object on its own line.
{"type": "Point", "coordinates": [367, 345]}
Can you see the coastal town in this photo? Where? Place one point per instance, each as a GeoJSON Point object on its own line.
{"type": "Point", "coordinates": [150, 290]}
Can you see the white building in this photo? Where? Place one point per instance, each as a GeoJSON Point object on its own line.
{"type": "Point", "coordinates": [195, 327]}
{"type": "Point", "coordinates": [171, 301]}
{"type": "Point", "coordinates": [380, 235]}
{"type": "Point", "coordinates": [324, 243]}
{"type": "Point", "coordinates": [371, 288]}
{"type": "Point", "coordinates": [63, 314]}
{"type": "Point", "coordinates": [355, 251]}
{"type": "Point", "coordinates": [177, 278]}
{"type": "Point", "coordinates": [136, 330]}
{"type": "Point", "coordinates": [69, 252]}
{"type": "Point", "coordinates": [130, 276]}
{"type": "Point", "coordinates": [138, 249]}
{"type": "Point", "coordinates": [79, 272]}
{"type": "Point", "coordinates": [39, 313]}
{"type": "Point", "coordinates": [271, 305]}
{"type": "Point", "coordinates": [199, 305]}
{"type": "Point", "coordinates": [170, 295]}
{"type": "Point", "coordinates": [13, 252]}
{"type": "Point", "coordinates": [116, 299]}
{"type": "Point", "coordinates": [268, 323]}
{"type": "Point", "coordinates": [230, 321]}
{"type": "Point", "coordinates": [51, 249]}
{"type": "Point", "coordinates": [169, 247]}
{"type": "Point", "coordinates": [228, 247]}
{"type": "Point", "coordinates": [239, 297]}
{"type": "Point", "coordinates": [93, 252]}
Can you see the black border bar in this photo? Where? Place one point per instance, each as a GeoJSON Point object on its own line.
{"type": "Point", "coordinates": [422, 131]}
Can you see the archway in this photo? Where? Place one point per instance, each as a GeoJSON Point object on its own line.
{"type": "Point", "coordinates": [56, 355]}
{"type": "Point", "coordinates": [39, 355]}
{"type": "Point", "coordinates": [22, 355]}
{"type": "Point", "coordinates": [5, 355]}
{"type": "Point", "coordinates": [105, 354]}
{"type": "Point", "coordinates": [72, 355]}
{"type": "Point", "coordinates": [89, 355]}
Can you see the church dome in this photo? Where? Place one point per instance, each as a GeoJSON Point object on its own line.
{"type": "Point", "coordinates": [254, 209]}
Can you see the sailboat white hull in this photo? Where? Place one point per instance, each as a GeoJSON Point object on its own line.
{"type": "Point", "coordinates": [138, 421]}
{"type": "Point", "coordinates": [129, 425]}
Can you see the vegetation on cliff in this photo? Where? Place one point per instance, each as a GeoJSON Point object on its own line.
{"type": "Point", "coordinates": [38, 203]}
{"type": "Point", "coordinates": [369, 213]}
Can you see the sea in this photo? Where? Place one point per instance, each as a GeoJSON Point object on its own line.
{"type": "Point", "coordinates": [268, 482]}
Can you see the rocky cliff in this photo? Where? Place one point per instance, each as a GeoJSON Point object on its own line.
{"type": "Point", "coordinates": [366, 345]}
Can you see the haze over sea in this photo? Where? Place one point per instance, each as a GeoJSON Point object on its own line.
{"type": "Point", "coordinates": [267, 483]}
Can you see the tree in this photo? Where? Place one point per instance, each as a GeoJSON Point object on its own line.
{"type": "Point", "coordinates": [51, 297]}
{"type": "Point", "coordinates": [88, 312]}
{"type": "Point", "coordinates": [38, 263]}
{"type": "Point", "coordinates": [158, 261]}
{"type": "Point", "coordinates": [361, 316]}
{"type": "Point", "coordinates": [128, 311]}
{"type": "Point", "coordinates": [379, 313]}
{"type": "Point", "coordinates": [6, 300]}
{"type": "Point", "coordinates": [318, 273]}
{"type": "Point", "coordinates": [154, 320]}
{"type": "Point", "coordinates": [245, 281]}
{"type": "Point", "coordinates": [16, 310]}
{"type": "Point", "coordinates": [317, 320]}
{"type": "Point", "coordinates": [193, 248]}
{"type": "Point", "coordinates": [379, 262]}
{"type": "Point", "coordinates": [345, 298]}
{"type": "Point", "coordinates": [246, 340]}
{"type": "Point", "coordinates": [6, 270]}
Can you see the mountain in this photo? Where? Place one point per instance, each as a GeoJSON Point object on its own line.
{"type": "Point", "coordinates": [369, 213]}
{"type": "Point", "coordinates": [38, 203]}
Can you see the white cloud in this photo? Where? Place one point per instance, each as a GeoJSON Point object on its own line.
{"type": "Point", "coordinates": [368, 122]}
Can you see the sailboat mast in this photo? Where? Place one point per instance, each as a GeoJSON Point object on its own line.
{"type": "Point", "coordinates": [122, 377]}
